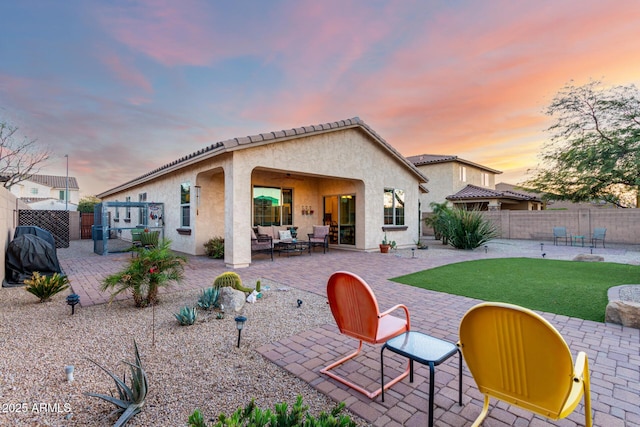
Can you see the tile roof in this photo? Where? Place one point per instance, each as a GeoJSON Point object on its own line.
{"type": "Point", "coordinates": [55, 181]}
{"type": "Point", "coordinates": [233, 144]}
{"type": "Point", "coordinates": [475, 192]}
{"type": "Point", "coordinates": [429, 159]}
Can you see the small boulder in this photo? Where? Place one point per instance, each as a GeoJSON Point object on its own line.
{"type": "Point", "coordinates": [625, 313]}
{"type": "Point", "coordinates": [589, 258]}
{"type": "Point", "coordinates": [232, 299]}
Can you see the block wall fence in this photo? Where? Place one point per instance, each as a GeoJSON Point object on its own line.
{"type": "Point", "coordinates": [623, 225]}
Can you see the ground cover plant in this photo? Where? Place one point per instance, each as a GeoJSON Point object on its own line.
{"type": "Point", "coordinates": [570, 288]}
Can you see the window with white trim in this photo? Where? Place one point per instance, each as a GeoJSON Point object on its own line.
{"type": "Point", "coordinates": [185, 204]}
{"type": "Point", "coordinates": [393, 206]}
{"type": "Point", "coordinates": [484, 178]}
{"type": "Point", "coordinates": [463, 173]}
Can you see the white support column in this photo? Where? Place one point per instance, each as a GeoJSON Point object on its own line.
{"type": "Point", "coordinates": [237, 215]}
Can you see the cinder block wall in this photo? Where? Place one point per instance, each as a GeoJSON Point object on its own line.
{"type": "Point", "coordinates": [623, 225]}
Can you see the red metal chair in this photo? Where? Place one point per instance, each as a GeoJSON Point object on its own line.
{"type": "Point", "coordinates": [355, 310]}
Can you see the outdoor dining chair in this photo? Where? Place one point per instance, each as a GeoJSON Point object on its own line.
{"type": "Point", "coordinates": [517, 356]}
{"type": "Point", "coordinates": [560, 233]}
{"type": "Point", "coordinates": [355, 310]}
{"type": "Point", "coordinates": [598, 235]}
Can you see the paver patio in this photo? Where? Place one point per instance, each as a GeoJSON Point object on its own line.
{"type": "Point", "coordinates": [613, 350]}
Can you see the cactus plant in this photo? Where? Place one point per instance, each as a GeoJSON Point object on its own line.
{"type": "Point", "coordinates": [44, 287]}
{"type": "Point", "coordinates": [231, 279]}
{"type": "Point", "coordinates": [258, 284]}
{"type": "Point", "coordinates": [209, 298]}
{"type": "Point", "coordinates": [130, 400]}
{"type": "Point", "coordinates": [187, 316]}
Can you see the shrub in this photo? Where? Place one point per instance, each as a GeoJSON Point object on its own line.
{"type": "Point", "coordinates": [468, 229]}
{"type": "Point", "coordinates": [130, 400]}
{"type": "Point", "coordinates": [299, 415]}
{"type": "Point", "coordinates": [146, 273]}
{"type": "Point", "coordinates": [187, 316]}
{"type": "Point", "coordinates": [44, 287]}
{"type": "Point", "coordinates": [214, 248]}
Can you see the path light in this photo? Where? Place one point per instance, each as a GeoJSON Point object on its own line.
{"type": "Point", "coordinates": [72, 300]}
{"type": "Point", "coordinates": [486, 248]}
{"type": "Point", "coordinates": [413, 252]}
{"type": "Point", "coordinates": [544, 254]}
{"type": "Point", "coordinates": [68, 370]}
{"type": "Point", "coordinates": [591, 247]}
{"type": "Point", "coordinates": [541, 246]}
{"type": "Point", "coordinates": [240, 324]}
{"type": "Point", "coordinates": [299, 303]}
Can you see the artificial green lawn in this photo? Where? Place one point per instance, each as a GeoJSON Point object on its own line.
{"type": "Point", "coordinates": [570, 288]}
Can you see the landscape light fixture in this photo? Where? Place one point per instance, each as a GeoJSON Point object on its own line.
{"type": "Point", "coordinates": [72, 300]}
{"type": "Point", "coordinates": [299, 303]}
{"type": "Point", "coordinates": [541, 246]}
{"type": "Point", "coordinates": [413, 252]}
{"type": "Point", "coordinates": [486, 248]}
{"type": "Point", "coordinates": [240, 324]}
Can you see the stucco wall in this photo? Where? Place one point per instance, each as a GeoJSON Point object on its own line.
{"type": "Point", "coordinates": [344, 161]}
{"type": "Point", "coordinates": [8, 209]}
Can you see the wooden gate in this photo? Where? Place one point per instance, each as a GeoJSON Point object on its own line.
{"type": "Point", "coordinates": [86, 222]}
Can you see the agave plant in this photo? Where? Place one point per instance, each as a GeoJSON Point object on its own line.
{"type": "Point", "coordinates": [469, 229]}
{"type": "Point", "coordinates": [130, 400]}
{"type": "Point", "coordinates": [44, 287]}
{"type": "Point", "coordinates": [146, 273]}
{"type": "Point", "coordinates": [209, 298]}
{"type": "Point", "coordinates": [187, 316]}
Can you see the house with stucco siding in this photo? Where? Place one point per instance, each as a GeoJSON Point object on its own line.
{"type": "Point", "coordinates": [341, 173]}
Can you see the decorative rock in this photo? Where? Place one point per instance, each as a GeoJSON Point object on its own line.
{"type": "Point", "coordinates": [589, 258]}
{"type": "Point", "coordinates": [624, 306]}
{"type": "Point", "coordinates": [232, 299]}
{"type": "Point", "coordinates": [625, 313]}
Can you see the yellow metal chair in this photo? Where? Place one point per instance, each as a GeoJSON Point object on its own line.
{"type": "Point", "coordinates": [517, 356]}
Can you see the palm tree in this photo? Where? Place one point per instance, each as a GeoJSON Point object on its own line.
{"type": "Point", "coordinates": [146, 273]}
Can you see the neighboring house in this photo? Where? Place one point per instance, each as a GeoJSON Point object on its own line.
{"type": "Point", "coordinates": [48, 192]}
{"type": "Point", "coordinates": [341, 173]}
{"type": "Point", "coordinates": [557, 204]}
{"type": "Point", "coordinates": [486, 199]}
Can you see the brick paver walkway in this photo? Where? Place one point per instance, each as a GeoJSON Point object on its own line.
{"type": "Point", "coordinates": [613, 351]}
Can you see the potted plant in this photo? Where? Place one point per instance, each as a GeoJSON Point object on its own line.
{"type": "Point", "coordinates": [385, 245]}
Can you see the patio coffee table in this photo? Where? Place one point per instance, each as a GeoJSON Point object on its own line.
{"type": "Point", "coordinates": [423, 349]}
{"type": "Point", "coordinates": [292, 246]}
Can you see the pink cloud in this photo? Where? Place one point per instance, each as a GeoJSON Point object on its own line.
{"type": "Point", "coordinates": [128, 74]}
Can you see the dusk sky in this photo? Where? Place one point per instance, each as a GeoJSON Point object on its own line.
{"type": "Point", "coordinates": [123, 87]}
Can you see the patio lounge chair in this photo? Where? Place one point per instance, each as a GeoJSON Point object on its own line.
{"type": "Point", "coordinates": [319, 237]}
{"type": "Point", "coordinates": [261, 244]}
{"type": "Point", "coordinates": [355, 310]}
{"type": "Point", "coordinates": [598, 234]}
{"type": "Point", "coordinates": [516, 356]}
{"type": "Point", "coordinates": [560, 233]}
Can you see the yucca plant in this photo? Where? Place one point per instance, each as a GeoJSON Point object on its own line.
{"type": "Point", "coordinates": [468, 229]}
{"type": "Point", "coordinates": [146, 273]}
{"type": "Point", "coordinates": [209, 298]}
{"type": "Point", "coordinates": [130, 400]}
{"type": "Point", "coordinates": [44, 287]}
{"type": "Point", "coordinates": [187, 316]}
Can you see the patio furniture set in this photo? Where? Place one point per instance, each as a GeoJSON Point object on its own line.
{"type": "Point", "coordinates": [560, 233]}
{"type": "Point", "coordinates": [264, 240]}
{"type": "Point", "coordinates": [513, 354]}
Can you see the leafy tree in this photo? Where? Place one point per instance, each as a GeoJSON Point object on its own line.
{"type": "Point", "coordinates": [594, 151]}
{"type": "Point", "coordinates": [20, 157]}
{"type": "Point", "coordinates": [86, 204]}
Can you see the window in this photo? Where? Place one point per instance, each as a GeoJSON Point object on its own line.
{"type": "Point", "coordinates": [127, 210]}
{"type": "Point", "coordinates": [142, 212]}
{"type": "Point", "coordinates": [117, 215]}
{"type": "Point", "coordinates": [484, 177]}
{"type": "Point", "coordinates": [463, 174]}
{"type": "Point", "coordinates": [185, 204]}
{"type": "Point", "coordinates": [393, 206]}
{"type": "Point", "coordinates": [272, 206]}
{"type": "Point", "coordinates": [34, 191]}
{"type": "Point", "coordinates": [61, 197]}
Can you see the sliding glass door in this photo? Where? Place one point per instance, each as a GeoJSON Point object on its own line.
{"type": "Point", "coordinates": [340, 215]}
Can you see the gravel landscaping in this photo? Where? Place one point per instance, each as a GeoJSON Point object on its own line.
{"type": "Point", "coordinates": [189, 367]}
